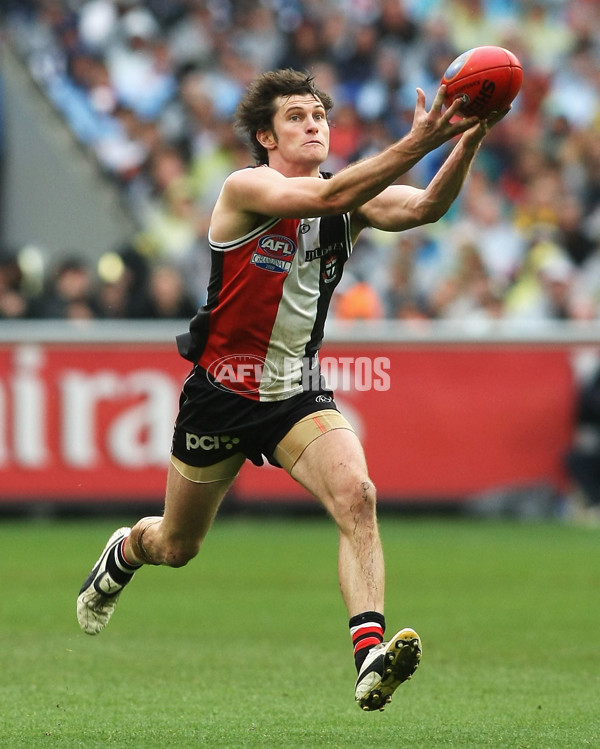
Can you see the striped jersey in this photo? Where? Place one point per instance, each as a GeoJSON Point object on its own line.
{"type": "Point", "coordinates": [268, 298]}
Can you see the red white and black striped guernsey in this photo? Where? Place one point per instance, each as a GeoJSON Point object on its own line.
{"type": "Point", "coordinates": [268, 297]}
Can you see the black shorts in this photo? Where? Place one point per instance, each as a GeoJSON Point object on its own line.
{"type": "Point", "coordinates": [214, 424]}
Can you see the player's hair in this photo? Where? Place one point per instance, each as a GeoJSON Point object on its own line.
{"type": "Point", "coordinates": [258, 105]}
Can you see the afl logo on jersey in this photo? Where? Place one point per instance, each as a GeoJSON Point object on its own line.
{"type": "Point", "coordinates": [274, 252]}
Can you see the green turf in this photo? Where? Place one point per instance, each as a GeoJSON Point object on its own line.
{"type": "Point", "coordinates": [248, 645]}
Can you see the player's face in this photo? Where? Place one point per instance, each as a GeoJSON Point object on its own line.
{"type": "Point", "coordinates": [301, 130]}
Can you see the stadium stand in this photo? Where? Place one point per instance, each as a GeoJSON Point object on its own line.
{"type": "Point", "coordinates": [148, 88]}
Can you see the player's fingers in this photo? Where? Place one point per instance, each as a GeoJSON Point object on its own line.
{"type": "Point", "coordinates": [478, 130]}
{"type": "Point", "coordinates": [469, 122]}
{"type": "Point", "coordinates": [495, 117]}
{"type": "Point", "coordinates": [420, 99]}
{"type": "Point", "coordinates": [454, 109]}
{"type": "Point", "coordinates": [462, 124]}
{"type": "Point", "coordinates": [438, 102]}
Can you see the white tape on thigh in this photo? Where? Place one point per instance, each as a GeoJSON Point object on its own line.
{"type": "Point", "coordinates": [306, 431]}
{"type": "Point", "coordinates": [227, 469]}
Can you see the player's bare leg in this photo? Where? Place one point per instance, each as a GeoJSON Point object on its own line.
{"type": "Point", "coordinates": [190, 508]}
{"type": "Point", "coordinates": [173, 539]}
{"type": "Point", "coordinates": [333, 468]}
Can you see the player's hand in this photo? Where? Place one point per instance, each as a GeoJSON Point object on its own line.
{"type": "Point", "coordinates": [495, 117]}
{"type": "Point", "coordinates": [436, 126]}
{"type": "Point", "coordinates": [474, 135]}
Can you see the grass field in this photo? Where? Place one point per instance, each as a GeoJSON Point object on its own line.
{"type": "Point", "coordinates": [248, 646]}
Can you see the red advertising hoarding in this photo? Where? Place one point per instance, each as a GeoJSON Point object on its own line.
{"type": "Point", "coordinates": [456, 420]}
{"type": "Point", "coordinates": [86, 422]}
{"type": "Point", "coordinates": [92, 422]}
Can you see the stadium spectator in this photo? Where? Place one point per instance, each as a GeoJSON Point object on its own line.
{"type": "Point", "coordinates": [500, 244]}
{"type": "Point", "coordinates": [117, 299]}
{"type": "Point", "coordinates": [123, 283]}
{"type": "Point", "coordinates": [121, 150]}
{"type": "Point", "coordinates": [405, 296]}
{"type": "Point", "coordinates": [139, 64]}
{"type": "Point", "coordinates": [359, 301]}
{"type": "Point", "coordinates": [69, 293]}
{"type": "Point", "coordinates": [573, 234]}
{"type": "Point", "coordinates": [542, 287]}
{"type": "Point", "coordinates": [192, 39]}
{"type": "Point", "coordinates": [467, 293]}
{"type": "Point", "coordinates": [304, 47]}
{"type": "Point", "coordinates": [167, 297]}
{"type": "Point", "coordinates": [583, 460]}
{"type": "Point", "coordinates": [173, 224]}
{"type": "Point", "coordinates": [14, 303]}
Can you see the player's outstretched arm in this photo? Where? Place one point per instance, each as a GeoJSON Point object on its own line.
{"type": "Point", "coordinates": [401, 207]}
{"type": "Point", "coordinates": [266, 192]}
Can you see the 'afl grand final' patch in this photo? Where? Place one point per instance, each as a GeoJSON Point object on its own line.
{"type": "Point", "coordinates": [275, 253]}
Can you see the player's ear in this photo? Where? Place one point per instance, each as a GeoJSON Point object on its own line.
{"type": "Point", "coordinates": [267, 139]}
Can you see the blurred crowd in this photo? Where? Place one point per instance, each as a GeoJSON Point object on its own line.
{"type": "Point", "coordinates": [150, 88]}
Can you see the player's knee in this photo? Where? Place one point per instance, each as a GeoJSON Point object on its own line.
{"type": "Point", "coordinates": [356, 504]}
{"type": "Point", "coordinates": [365, 499]}
{"type": "Point", "coordinates": [151, 545]}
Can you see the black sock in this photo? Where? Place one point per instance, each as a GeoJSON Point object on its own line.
{"type": "Point", "coordinates": [366, 630]}
{"type": "Point", "coordinates": [120, 570]}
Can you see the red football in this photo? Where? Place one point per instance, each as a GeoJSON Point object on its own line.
{"type": "Point", "coordinates": [487, 79]}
